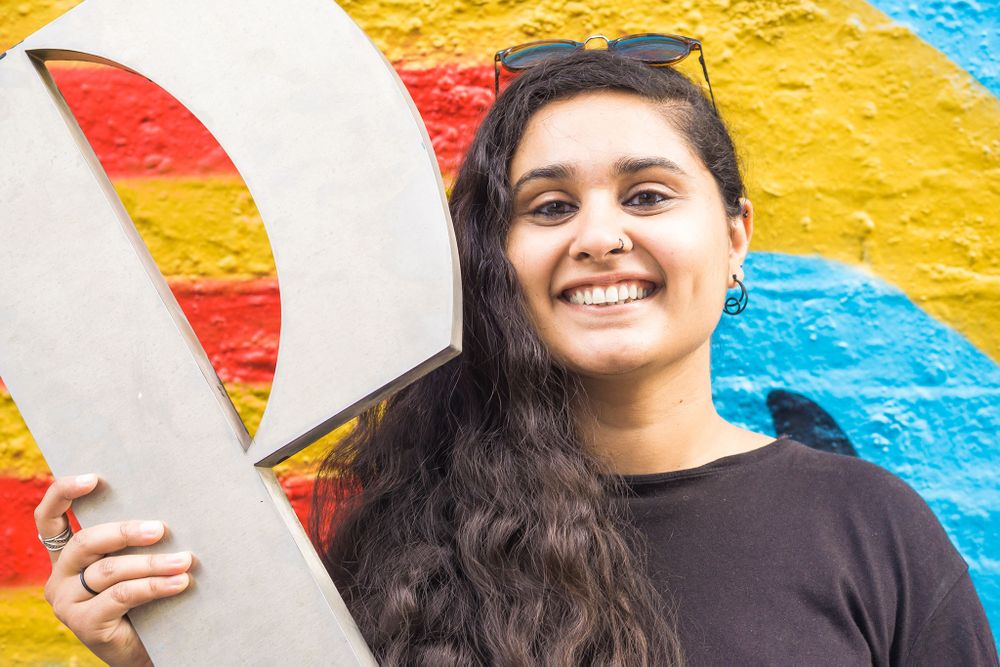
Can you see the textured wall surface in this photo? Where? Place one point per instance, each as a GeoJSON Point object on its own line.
{"type": "Point", "coordinates": [967, 32]}
{"type": "Point", "coordinates": [870, 132]}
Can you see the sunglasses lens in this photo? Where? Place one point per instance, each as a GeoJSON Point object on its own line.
{"type": "Point", "coordinates": [532, 54]}
{"type": "Point", "coordinates": [656, 49]}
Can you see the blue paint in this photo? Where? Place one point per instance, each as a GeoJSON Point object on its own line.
{"type": "Point", "coordinates": [967, 31]}
{"type": "Point", "coordinates": [911, 394]}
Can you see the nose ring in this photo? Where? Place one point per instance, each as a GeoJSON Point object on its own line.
{"type": "Point", "coordinates": [621, 244]}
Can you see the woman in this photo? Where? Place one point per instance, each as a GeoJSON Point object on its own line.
{"type": "Point", "coordinates": [565, 493]}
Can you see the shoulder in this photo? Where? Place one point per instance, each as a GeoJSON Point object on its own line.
{"type": "Point", "coordinates": [904, 560]}
{"type": "Point", "coordinates": [875, 504]}
{"type": "Point", "coordinates": [862, 482]}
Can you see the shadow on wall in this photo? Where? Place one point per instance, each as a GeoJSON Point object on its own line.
{"type": "Point", "coordinates": [796, 416]}
{"type": "Point", "coordinates": [840, 360]}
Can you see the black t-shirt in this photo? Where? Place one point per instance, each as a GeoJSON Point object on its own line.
{"type": "Point", "coordinates": [786, 555]}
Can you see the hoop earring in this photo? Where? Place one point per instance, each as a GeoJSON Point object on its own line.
{"type": "Point", "coordinates": [736, 305]}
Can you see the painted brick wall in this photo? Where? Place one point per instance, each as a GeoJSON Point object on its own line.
{"type": "Point", "coordinates": [870, 132]}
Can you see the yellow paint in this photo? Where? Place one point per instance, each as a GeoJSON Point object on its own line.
{"type": "Point", "coordinates": [864, 144]}
{"type": "Point", "coordinates": [207, 227]}
{"type": "Point", "coordinates": [20, 18]}
{"type": "Point", "coordinates": [20, 456]}
{"type": "Point", "coordinates": [31, 635]}
{"type": "Point", "coordinates": [250, 402]}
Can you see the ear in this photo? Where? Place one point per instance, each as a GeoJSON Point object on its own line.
{"type": "Point", "coordinates": [740, 231]}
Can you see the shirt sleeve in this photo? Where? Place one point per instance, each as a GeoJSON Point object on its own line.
{"type": "Point", "coordinates": [956, 633]}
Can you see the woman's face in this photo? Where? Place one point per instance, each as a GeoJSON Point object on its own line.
{"type": "Point", "coordinates": [619, 236]}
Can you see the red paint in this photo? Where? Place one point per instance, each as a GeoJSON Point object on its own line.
{"type": "Point", "coordinates": [452, 100]}
{"type": "Point", "coordinates": [299, 491]}
{"type": "Point", "coordinates": [138, 129]}
{"type": "Point", "coordinates": [135, 127]}
{"type": "Point", "coordinates": [237, 323]}
{"type": "Point", "coordinates": [23, 560]}
{"type": "Point", "coordinates": [22, 557]}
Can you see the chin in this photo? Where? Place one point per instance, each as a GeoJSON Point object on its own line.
{"type": "Point", "coordinates": [605, 365]}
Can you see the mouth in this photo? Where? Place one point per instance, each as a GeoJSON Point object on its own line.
{"type": "Point", "coordinates": [602, 296]}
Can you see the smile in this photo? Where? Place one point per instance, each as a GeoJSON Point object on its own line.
{"type": "Point", "coordinates": [608, 295]}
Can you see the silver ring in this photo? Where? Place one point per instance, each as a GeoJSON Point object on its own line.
{"type": "Point", "coordinates": [621, 244]}
{"type": "Point", "coordinates": [83, 582]}
{"type": "Point", "coordinates": [59, 541]}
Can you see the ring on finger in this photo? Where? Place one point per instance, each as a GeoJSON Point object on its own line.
{"type": "Point", "coordinates": [83, 582]}
{"type": "Point", "coordinates": [57, 542]}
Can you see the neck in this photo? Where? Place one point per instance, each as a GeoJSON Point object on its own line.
{"type": "Point", "coordinates": [655, 421]}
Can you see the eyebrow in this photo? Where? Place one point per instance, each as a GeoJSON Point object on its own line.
{"type": "Point", "coordinates": [629, 165]}
{"type": "Point", "coordinates": [623, 167]}
{"type": "Point", "coordinates": [553, 172]}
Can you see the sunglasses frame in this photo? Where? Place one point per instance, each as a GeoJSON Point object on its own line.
{"type": "Point", "coordinates": [692, 44]}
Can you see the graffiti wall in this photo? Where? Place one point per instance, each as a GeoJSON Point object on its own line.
{"type": "Point", "coordinates": [871, 136]}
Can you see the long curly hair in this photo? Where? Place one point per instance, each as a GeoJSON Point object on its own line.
{"type": "Point", "coordinates": [462, 520]}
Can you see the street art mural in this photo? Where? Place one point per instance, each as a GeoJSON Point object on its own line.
{"type": "Point", "coordinates": [870, 136]}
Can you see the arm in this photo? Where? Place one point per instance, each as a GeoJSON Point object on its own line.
{"type": "Point", "coordinates": [956, 633]}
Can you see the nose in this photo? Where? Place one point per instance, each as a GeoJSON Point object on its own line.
{"type": "Point", "coordinates": [599, 233]}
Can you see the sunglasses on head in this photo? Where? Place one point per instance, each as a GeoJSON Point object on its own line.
{"type": "Point", "coordinates": [653, 49]}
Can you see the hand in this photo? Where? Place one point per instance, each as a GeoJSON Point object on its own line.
{"type": "Point", "coordinates": [121, 582]}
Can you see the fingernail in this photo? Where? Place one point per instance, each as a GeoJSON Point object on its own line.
{"type": "Point", "coordinates": [85, 480]}
{"type": "Point", "coordinates": [150, 528]}
{"type": "Point", "coordinates": [178, 559]}
{"type": "Point", "coordinates": [177, 580]}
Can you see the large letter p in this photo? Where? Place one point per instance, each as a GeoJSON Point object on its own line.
{"type": "Point", "coordinates": [105, 368]}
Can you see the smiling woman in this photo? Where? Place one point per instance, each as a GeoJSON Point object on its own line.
{"type": "Point", "coordinates": [624, 243]}
{"type": "Point", "coordinates": [622, 202]}
{"type": "Point", "coordinates": [565, 492]}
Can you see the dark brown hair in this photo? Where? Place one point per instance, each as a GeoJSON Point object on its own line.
{"type": "Point", "coordinates": [463, 521]}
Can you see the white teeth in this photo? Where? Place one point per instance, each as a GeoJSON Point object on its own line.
{"type": "Point", "coordinates": [622, 293]}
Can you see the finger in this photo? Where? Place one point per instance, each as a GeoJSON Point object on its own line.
{"type": "Point", "coordinates": [107, 572]}
{"type": "Point", "coordinates": [50, 515]}
{"type": "Point", "coordinates": [116, 601]}
{"type": "Point", "coordinates": [92, 544]}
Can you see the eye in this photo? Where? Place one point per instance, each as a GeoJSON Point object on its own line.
{"type": "Point", "coordinates": [646, 198]}
{"type": "Point", "coordinates": [553, 210]}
